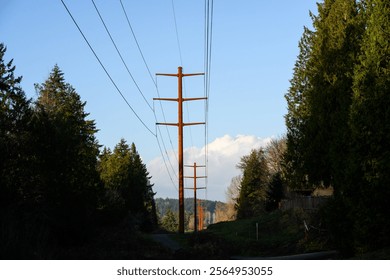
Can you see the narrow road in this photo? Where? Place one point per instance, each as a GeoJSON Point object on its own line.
{"type": "Point", "coordinates": [166, 241]}
{"type": "Point", "coordinates": [325, 255]}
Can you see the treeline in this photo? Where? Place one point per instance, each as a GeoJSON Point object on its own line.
{"type": "Point", "coordinates": [168, 213]}
{"type": "Point", "coordinates": [338, 119]}
{"type": "Point", "coordinates": [163, 204]}
{"type": "Point", "coordinates": [262, 186]}
{"type": "Point", "coordinates": [338, 128]}
{"type": "Point", "coordinates": [56, 188]}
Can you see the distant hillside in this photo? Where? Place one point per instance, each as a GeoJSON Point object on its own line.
{"type": "Point", "coordinates": [212, 209]}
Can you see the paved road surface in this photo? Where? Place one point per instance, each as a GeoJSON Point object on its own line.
{"type": "Point", "coordinates": [167, 241]}
{"type": "Point", "coordinates": [325, 255]}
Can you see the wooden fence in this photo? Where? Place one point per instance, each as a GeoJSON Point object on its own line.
{"type": "Point", "coordinates": [308, 203]}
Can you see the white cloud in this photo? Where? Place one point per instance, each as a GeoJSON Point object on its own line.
{"type": "Point", "coordinates": [223, 155]}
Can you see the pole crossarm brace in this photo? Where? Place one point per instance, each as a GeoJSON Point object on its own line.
{"type": "Point", "coordinates": [183, 99]}
{"type": "Point", "coordinates": [179, 74]}
{"type": "Point", "coordinates": [184, 124]}
{"type": "Point", "coordinates": [180, 124]}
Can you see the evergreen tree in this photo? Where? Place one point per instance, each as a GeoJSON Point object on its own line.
{"type": "Point", "coordinates": [170, 221]}
{"type": "Point", "coordinates": [370, 125]}
{"type": "Point", "coordinates": [297, 116]}
{"type": "Point", "coordinates": [127, 183]}
{"type": "Point", "coordinates": [338, 119]}
{"type": "Point", "coordinates": [275, 192]}
{"type": "Point", "coordinates": [335, 47]}
{"type": "Point", "coordinates": [66, 152]}
{"type": "Point", "coordinates": [321, 94]}
{"type": "Point", "coordinates": [254, 184]}
{"type": "Point", "coordinates": [19, 228]}
{"type": "Point", "coordinates": [15, 115]}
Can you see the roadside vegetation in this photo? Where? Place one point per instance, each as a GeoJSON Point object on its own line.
{"type": "Point", "coordinates": [279, 233]}
{"type": "Point", "coordinates": [62, 195]}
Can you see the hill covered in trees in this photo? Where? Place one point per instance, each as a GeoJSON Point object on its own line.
{"type": "Point", "coordinates": [213, 211]}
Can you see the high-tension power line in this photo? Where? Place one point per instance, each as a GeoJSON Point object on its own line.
{"type": "Point", "coordinates": [105, 70]}
{"type": "Point", "coordinates": [157, 134]}
{"type": "Point", "coordinates": [121, 57]}
{"type": "Point", "coordinates": [131, 76]}
{"type": "Point", "coordinates": [208, 35]}
{"type": "Point", "coordinates": [181, 60]}
{"type": "Point", "coordinates": [158, 94]}
{"type": "Point", "coordinates": [136, 41]}
{"type": "Point", "coordinates": [177, 33]}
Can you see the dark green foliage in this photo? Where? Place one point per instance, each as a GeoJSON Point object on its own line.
{"type": "Point", "coordinates": [279, 234]}
{"type": "Point", "coordinates": [52, 200]}
{"type": "Point", "coordinates": [48, 171]}
{"type": "Point", "coordinates": [170, 221]}
{"type": "Point", "coordinates": [163, 204]}
{"type": "Point", "coordinates": [17, 228]}
{"type": "Point", "coordinates": [275, 192]}
{"type": "Point", "coordinates": [297, 116]}
{"type": "Point", "coordinates": [334, 52]}
{"type": "Point", "coordinates": [171, 204]}
{"type": "Point", "coordinates": [370, 126]}
{"type": "Point", "coordinates": [320, 96]}
{"type": "Point", "coordinates": [66, 153]}
{"type": "Point", "coordinates": [127, 186]}
{"type": "Point", "coordinates": [253, 192]}
{"type": "Point", "coordinates": [263, 183]}
{"type": "Point", "coordinates": [15, 115]}
{"type": "Point", "coordinates": [335, 216]}
{"type": "Point", "coordinates": [338, 119]}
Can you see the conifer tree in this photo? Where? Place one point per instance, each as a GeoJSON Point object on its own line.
{"type": "Point", "coordinates": [320, 96]}
{"type": "Point", "coordinates": [254, 184]}
{"type": "Point", "coordinates": [17, 231]}
{"type": "Point", "coordinates": [336, 44]}
{"type": "Point", "coordinates": [66, 151]}
{"type": "Point", "coordinates": [370, 125]}
{"type": "Point", "coordinates": [127, 183]}
{"type": "Point", "coordinates": [170, 221]}
{"type": "Point", "coordinates": [15, 115]}
{"type": "Point", "coordinates": [297, 116]}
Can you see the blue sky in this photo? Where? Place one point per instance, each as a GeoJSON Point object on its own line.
{"type": "Point", "coordinates": [254, 48]}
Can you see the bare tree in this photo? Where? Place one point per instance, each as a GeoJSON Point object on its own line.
{"type": "Point", "coordinates": [274, 153]}
{"type": "Point", "coordinates": [233, 191]}
{"type": "Point", "coordinates": [232, 194]}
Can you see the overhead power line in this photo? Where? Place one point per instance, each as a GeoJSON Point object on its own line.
{"type": "Point", "coordinates": [208, 35]}
{"type": "Point", "coordinates": [105, 70]}
{"type": "Point", "coordinates": [136, 41]}
{"type": "Point", "coordinates": [140, 91]}
{"type": "Point", "coordinates": [181, 63]}
{"type": "Point", "coordinates": [120, 55]}
{"type": "Point", "coordinates": [177, 33]}
{"type": "Point", "coordinates": [158, 94]}
{"type": "Point", "coordinates": [148, 69]}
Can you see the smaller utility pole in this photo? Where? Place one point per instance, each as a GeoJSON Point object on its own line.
{"type": "Point", "coordinates": [200, 208]}
{"type": "Point", "coordinates": [195, 189]}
